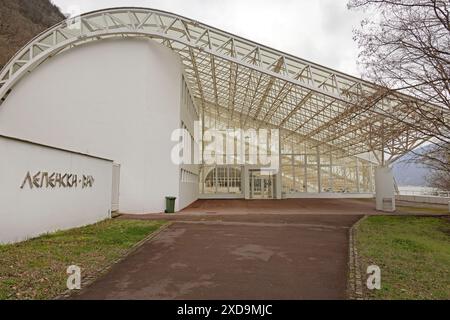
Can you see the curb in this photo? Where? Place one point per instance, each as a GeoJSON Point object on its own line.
{"type": "Point", "coordinates": [355, 285]}
{"type": "Point", "coordinates": [86, 282]}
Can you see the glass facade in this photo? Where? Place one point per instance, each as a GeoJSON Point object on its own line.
{"type": "Point", "coordinates": [306, 165]}
{"type": "Point", "coordinates": [310, 168]}
{"type": "Point", "coordinates": [221, 180]}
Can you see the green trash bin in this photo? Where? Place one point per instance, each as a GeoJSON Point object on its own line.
{"type": "Point", "coordinates": [170, 204]}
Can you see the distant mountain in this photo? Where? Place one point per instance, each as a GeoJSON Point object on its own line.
{"type": "Point", "coordinates": [22, 20]}
{"type": "Point", "coordinates": [407, 173]}
{"type": "Point", "coordinates": [410, 174]}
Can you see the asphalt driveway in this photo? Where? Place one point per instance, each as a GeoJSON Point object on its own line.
{"type": "Point", "coordinates": [283, 256]}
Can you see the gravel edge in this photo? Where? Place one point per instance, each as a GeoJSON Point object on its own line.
{"type": "Point", "coordinates": [355, 285]}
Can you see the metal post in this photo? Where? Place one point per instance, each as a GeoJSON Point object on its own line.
{"type": "Point", "coordinates": [319, 174]}
{"type": "Point", "coordinates": [358, 187]}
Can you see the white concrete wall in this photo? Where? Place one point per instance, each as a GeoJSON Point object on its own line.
{"type": "Point", "coordinates": [117, 99]}
{"type": "Point", "coordinates": [423, 199]}
{"type": "Point", "coordinates": [384, 188]}
{"type": "Point", "coordinates": [29, 212]}
{"type": "Point", "coordinates": [189, 190]}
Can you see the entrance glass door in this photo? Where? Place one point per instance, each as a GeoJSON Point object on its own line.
{"type": "Point", "coordinates": [261, 186]}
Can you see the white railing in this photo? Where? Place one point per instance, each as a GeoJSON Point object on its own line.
{"type": "Point", "coordinates": [426, 192]}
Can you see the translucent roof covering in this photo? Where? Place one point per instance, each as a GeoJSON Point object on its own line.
{"type": "Point", "coordinates": [255, 83]}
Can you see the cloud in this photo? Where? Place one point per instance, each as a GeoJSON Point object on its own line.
{"type": "Point", "coordinates": [319, 30]}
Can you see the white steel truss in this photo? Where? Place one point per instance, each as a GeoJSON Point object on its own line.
{"type": "Point", "coordinates": [254, 82]}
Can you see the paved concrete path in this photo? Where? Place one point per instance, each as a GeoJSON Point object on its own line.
{"type": "Point", "coordinates": [283, 256]}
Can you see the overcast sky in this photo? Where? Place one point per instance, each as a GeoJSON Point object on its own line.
{"type": "Point", "coordinates": [317, 30]}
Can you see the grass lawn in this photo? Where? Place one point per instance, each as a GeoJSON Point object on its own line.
{"type": "Point", "coordinates": [412, 252]}
{"type": "Point", "coordinates": [36, 269]}
{"type": "Point", "coordinates": [438, 210]}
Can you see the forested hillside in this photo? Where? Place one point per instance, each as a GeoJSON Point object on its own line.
{"type": "Point", "coordinates": [22, 20]}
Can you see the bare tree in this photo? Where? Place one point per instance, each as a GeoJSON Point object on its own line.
{"type": "Point", "coordinates": [439, 177]}
{"type": "Point", "coordinates": [405, 46]}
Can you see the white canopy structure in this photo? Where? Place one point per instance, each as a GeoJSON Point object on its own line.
{"type": "Point", "coordinates": [257, 82]}
{"type": "Point", "coordinates": [243, 84]}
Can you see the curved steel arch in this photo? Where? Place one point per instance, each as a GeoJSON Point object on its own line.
{"type": "Point", "coordinates": [282, 90]}
{"type": "Point", "coordinates": [160, 24]}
